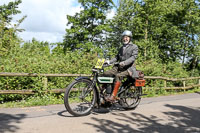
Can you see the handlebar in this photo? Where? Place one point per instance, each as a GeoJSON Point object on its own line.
{"type": "Point", "coordinates": [106, 65]}
{"type": "Point", "coordinates": [96, 70]}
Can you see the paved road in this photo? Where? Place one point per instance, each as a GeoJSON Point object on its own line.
{"type": "Point", "coordinates": [167, 114]}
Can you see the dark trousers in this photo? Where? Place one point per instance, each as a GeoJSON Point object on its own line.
{"type": "Point", "coordinates": [119, 74]}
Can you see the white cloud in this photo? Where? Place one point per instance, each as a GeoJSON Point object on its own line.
{"type": "Point", "coordinates": [42, 36]}
{"type": "Point", "coordinates": [46, 20]}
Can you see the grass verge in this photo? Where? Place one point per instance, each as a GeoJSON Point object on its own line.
{"type": "Point", "coordinates": [50, 99]}
{"type": "Point", "coordinates": [44, 100]}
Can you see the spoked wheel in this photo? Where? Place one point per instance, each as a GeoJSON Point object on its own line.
{"type": "Point", "coordinates": [131, 97]}
{"type": "Point", "coordinates": [80, 97]}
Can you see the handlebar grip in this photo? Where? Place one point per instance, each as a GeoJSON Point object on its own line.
{"type": "Point", "coordinates": [94, 70]}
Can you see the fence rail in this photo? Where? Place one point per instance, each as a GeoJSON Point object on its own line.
{"type": "Point", "coordinates": [45, 81]}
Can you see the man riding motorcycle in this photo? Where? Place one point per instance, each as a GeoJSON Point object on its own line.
{"type": "Point", "coordinates": [126, 57]}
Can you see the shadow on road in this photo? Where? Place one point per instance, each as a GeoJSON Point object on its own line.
{"type": "Point", "coordinates": [181, 119]}
{"type": "Point", "coordinates": [104, 110]}
{"type": "Point", "coordinates": [64, 113]}
{"type": "Point", "coordinates": [95, 111]}
{"type": "Point", "coordinates": [197, 92]}
{"type": "Point", "coordinates": [8, 122]}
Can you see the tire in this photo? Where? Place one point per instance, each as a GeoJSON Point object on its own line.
{"type": "Point", "coordinates": [131, 98]}
{"type": "Point", "coordinates": [80, 98]}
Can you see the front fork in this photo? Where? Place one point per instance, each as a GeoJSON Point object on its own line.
{"type": "Point", "coordinates": [94, 82]}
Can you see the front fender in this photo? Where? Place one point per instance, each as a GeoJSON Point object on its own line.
{"type": "Point", "coordinates": [79, 78]}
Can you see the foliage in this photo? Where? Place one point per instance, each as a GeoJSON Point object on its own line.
{"type": "Point", "coordinates": [87, 28]}
{"type": "Point", "coordinates": [8, 34]}
{"type": "Point", "coordinates": [166, 32]}
{"type": "Point", "coordinates": [35, 57]}
{"type": "Point", "coordinates": [46, 99]}
{"type": "Point", "coordinates": [7, 11]}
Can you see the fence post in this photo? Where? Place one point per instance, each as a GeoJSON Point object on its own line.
{"type": "Point", "coordinates": [184, 85]}
{"type": "Point", "coordinates": [165, 83]}
{"type": "Point", "coordinates": [45, 83]}
{"type": "Point", "coordinates": [199, 84]}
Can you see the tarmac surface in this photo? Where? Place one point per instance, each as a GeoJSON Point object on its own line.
{"type": "Point", "coordinates": [165, 114]}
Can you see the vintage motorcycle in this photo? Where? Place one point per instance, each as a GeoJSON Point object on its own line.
{"type": "Point", "coordinates": [86, 93]}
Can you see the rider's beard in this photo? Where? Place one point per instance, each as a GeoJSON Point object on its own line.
{"type": "Point", "coordinates": [125, 42]}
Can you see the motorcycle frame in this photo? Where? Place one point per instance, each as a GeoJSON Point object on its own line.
{"type": "Point", "coordinates": [96, 84]}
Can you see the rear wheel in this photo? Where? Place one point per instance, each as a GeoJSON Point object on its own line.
{"type": "Point", "coordinates": [131, 97]}
{"type": "Point", "coordinates": [80, 97]}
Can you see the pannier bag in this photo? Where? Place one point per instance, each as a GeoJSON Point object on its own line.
{"type": "Point", "coordinates": [140, 81]}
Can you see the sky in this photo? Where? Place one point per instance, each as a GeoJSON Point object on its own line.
{"type": "Point", "coordinates": [46, 19]}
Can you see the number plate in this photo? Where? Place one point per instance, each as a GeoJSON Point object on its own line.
{"type": "Point", "coordinates": [100, 63]}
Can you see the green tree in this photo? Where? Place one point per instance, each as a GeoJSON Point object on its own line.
{"type": "Point", "coordinates": [190, 33]}
{"type": "Point", "coordinates": [88, 28]}
{"type": "Point", "coordinates": [124, 19]}
{"type": "Point", "coordinates": [8, 34]}
{"type": "Point", "coordinates": [7, 11]}
{"type": "Point", "coordinates": [161, 29]}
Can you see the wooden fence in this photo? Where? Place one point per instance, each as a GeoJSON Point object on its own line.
{"type": "Point", "coordinates": [45, 82]}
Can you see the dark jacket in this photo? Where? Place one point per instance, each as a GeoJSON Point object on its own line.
{"type": "Point", "coordinates": [127, 55]}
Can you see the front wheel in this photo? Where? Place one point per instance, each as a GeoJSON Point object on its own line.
{"type": "Point", "coordinates": [80, 97]}
{"type": "Point", "coordinates": [131, 97]}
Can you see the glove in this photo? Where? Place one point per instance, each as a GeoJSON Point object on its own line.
{"type": "Point", "coordinates": [107, 62]}
{"type": "Point", "coordinates": [122, 64]}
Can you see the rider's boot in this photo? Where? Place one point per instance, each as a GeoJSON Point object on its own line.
{"type": "Point", "coordinates": [112, 98]}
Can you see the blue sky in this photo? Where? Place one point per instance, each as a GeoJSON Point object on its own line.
{"type": "Point", "coordinates": [46, 20]}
